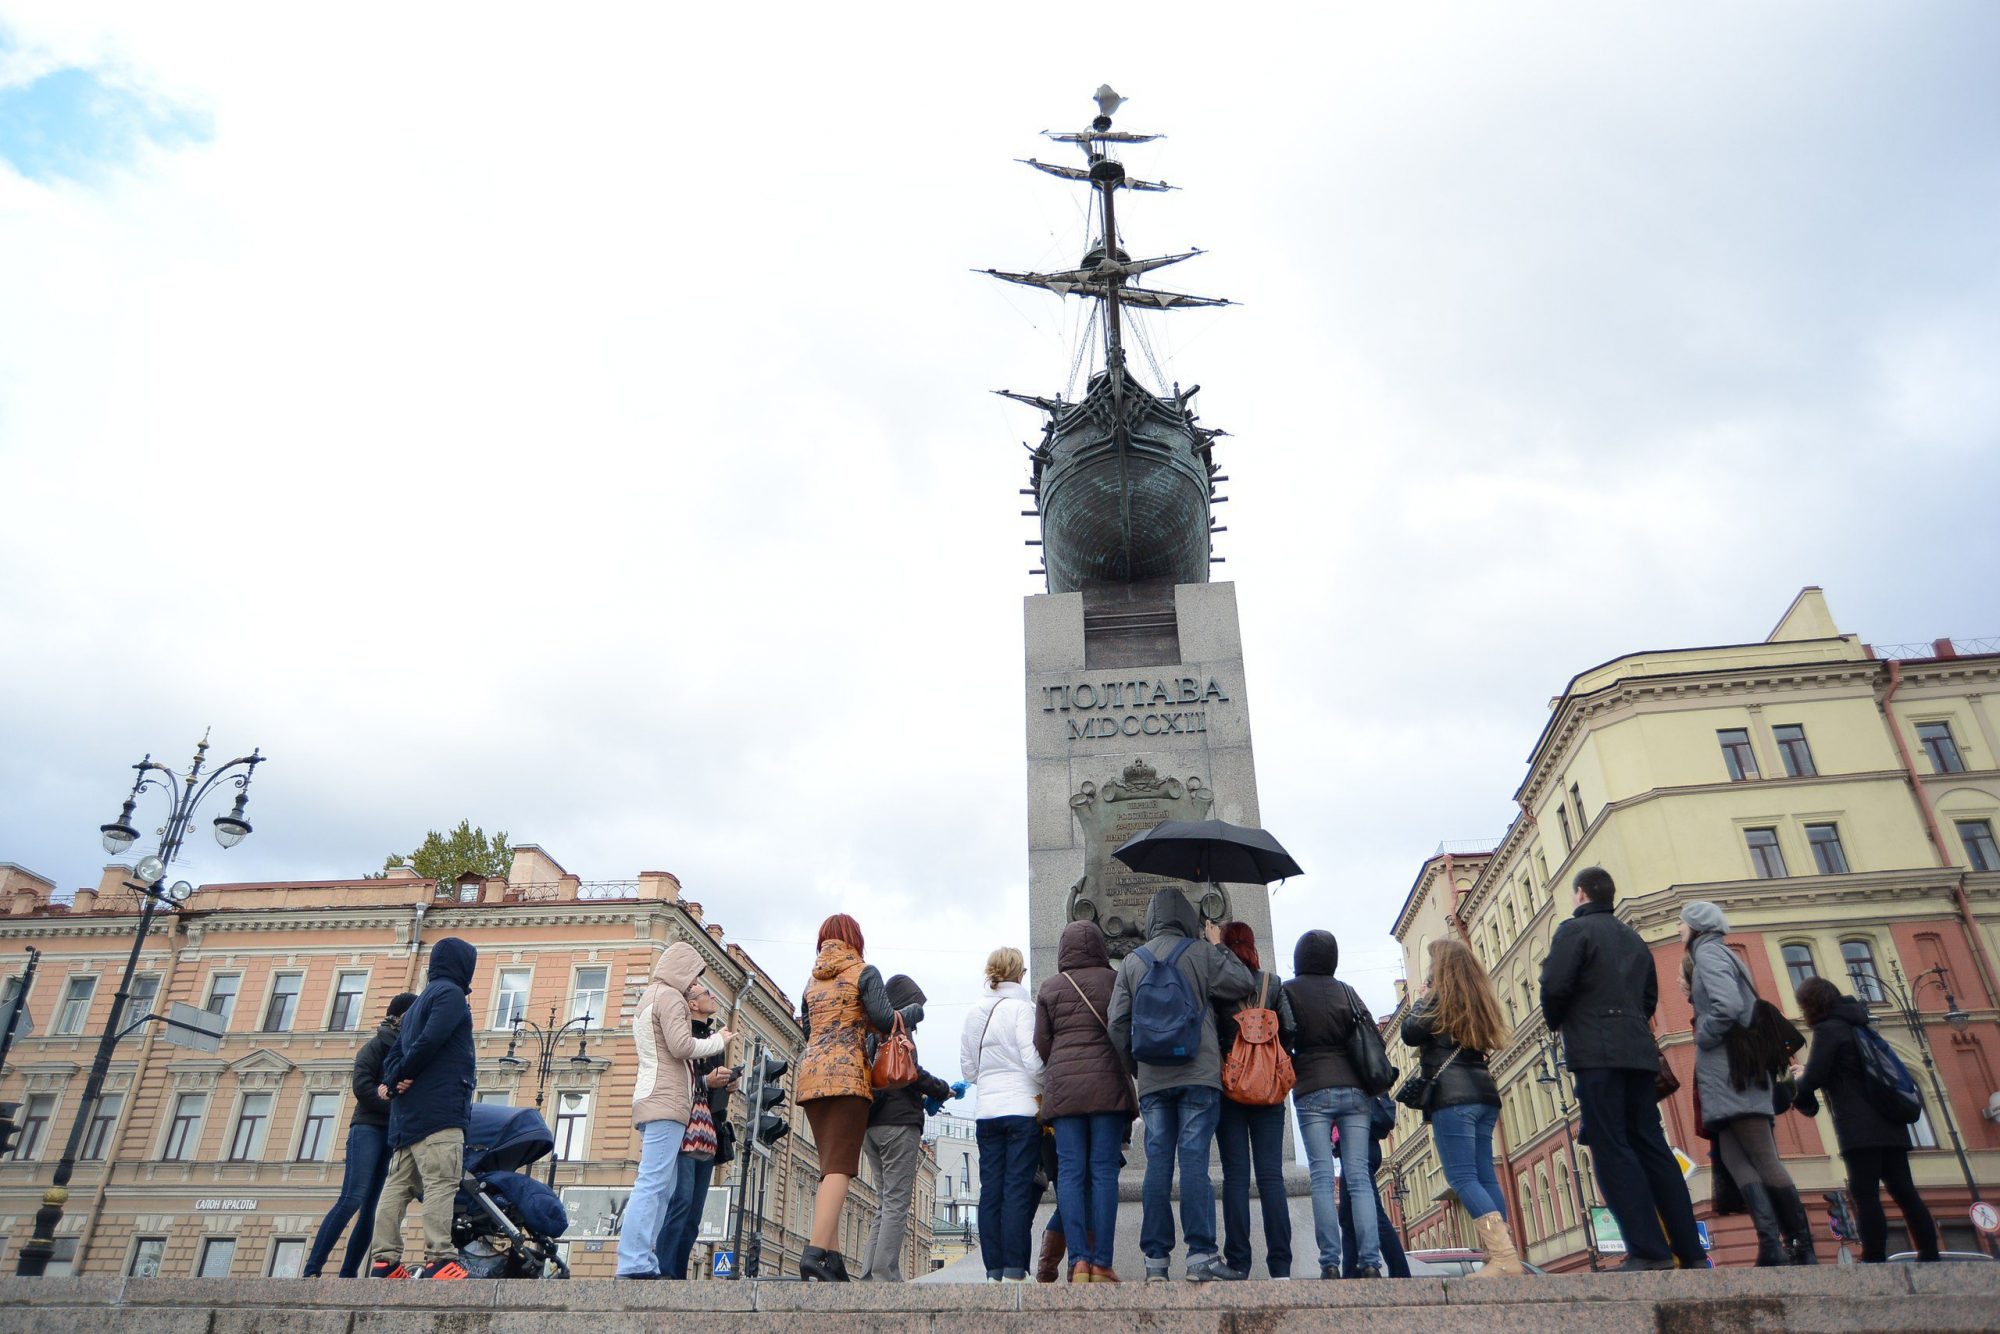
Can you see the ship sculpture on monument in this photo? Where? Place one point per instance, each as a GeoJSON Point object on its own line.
{"type": "Point", "coordinates": [1136, 703]}
{"type": "Point", "coordinates": [1123, 478]}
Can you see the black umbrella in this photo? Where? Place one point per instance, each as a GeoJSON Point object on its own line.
{"type": "Point", "coordinates": [1208, 852]}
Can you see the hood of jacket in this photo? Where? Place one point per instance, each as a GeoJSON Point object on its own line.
{"type": "Point", "coordinates": [1316, 955]}
{"type": "Point", "coordinates": [1852, 1010]}
{"type": "Point", "coordinates": [904, 991]}
{"type": "Point", "coordinates": [1082, 945]}
{"type": "Point", "coordinates": [1170, 913]}
{"type": "Point", "coordinates": [389, 1028]}
{"type": "Point", "coordinates": [678, 966]}
{"type": "Point", "coordinates": [835, 958]}
{"type": "Point", "coordinates": [1702, 916]}
{"type": "Point", "coordinates": [452, 960]}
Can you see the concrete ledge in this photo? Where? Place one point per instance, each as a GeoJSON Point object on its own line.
{"type": "Point", "coordinates": [1828, 1297]}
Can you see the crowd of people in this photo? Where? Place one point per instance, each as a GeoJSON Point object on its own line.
{"type": "Point", "coordinates": [1192, 1039]}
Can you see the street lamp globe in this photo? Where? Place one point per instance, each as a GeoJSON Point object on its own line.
{"type": "Point", "coordinates": [119, 834]}
{"type": "Point", "coordinates": [232, 828]}
{"type": "Point", "coordinates": [150, 870]}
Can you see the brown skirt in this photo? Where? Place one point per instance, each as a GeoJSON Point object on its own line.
{"type": "Point", "coordinates": [838, 1125]}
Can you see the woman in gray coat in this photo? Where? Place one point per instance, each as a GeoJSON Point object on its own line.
{"type": "Point", "coordinates": [1737, 1099]}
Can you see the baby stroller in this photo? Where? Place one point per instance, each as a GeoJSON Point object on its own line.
{"type": "Point", "coordinates": [504, 1222]}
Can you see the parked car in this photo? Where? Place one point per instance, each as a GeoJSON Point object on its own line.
{"type": "Point", "coordinates": [1910, 1257]}
{"type": "Point", "coordinates": [1453, 1263]}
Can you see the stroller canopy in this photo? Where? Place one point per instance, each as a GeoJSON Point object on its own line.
{"type": "Point", "coordinates": [505, 1139]}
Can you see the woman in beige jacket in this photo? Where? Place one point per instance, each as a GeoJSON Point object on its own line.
{"type": "Point", "coordinates": [662, 1099]}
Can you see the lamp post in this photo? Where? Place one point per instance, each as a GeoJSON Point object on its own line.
{"type": "Point", "coordinates": [186, 792]}
{"type": "Point", "coordinates": [1902, 995]}
{"type": "Point", "coordinates": [1551, 1075]}
{"type": "Point", "coordinates": [545, 1041]}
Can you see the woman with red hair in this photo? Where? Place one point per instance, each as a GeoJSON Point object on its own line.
{"type": "Point", "coordinates": [844, 1000]}
{"type": "Point", "coordinates": [1251, 1139]}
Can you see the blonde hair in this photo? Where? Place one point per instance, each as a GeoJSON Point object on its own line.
{"type": "Point", "coordinates": [1467, 1012]}
{"type": "Point", "coordinates": [1005, 965]}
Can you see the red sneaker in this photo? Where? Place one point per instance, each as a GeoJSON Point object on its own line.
{"type": "Point", "coordinates": [444, 1269]}
{"type": "Point", "coordinates": [388, 1269]}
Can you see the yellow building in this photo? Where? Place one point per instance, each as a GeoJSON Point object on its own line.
{"type": "Point", "coordinates": [222, 1164]}
{"type": "Point", "coordinates": [1839, 801]}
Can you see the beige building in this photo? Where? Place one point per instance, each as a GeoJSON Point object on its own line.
{"type": "Point", "coordinates": [1839, 801]}
{"type": "Point", "coordinates": [223, 1164]}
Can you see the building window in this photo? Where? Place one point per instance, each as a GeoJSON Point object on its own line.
{"type": "Point", "coordinates": [1922, 1135]}
{"type": "Point", "coordinates": [1794, 751]}
{"type": "Point", "coordinates": [1576, 800]}
{"type": "Point", "coordinates": [497, 1097]}
{"type": "Point", "coordinates": [587, 996]}
{"type": "Point", "coordinates": [143, 996]}
{"type": "Point", "coordinates": [217, 1254]}
{"type": "Point", "coordinates": [1799, 964]}
{"type": "Point", "coordinates": [283, 1006]}
{"type": "Point", "coordinates": [1542, 865]}
{"type": "Point", "coordinates": [34, 1126]}
{"type": "Point", "coordinates": [1980, 850]}
{"type": "Point", "coordinates": [288, 1256]}
{"type": "Point", "coordinates": [184, 1131]}
{"type": "Point", "coordinates": [316, 1139]}
{"type": "Point", "coordinates": [103, 1120]}
{"type": "Point", "coordinates": [147, 1252]}
{"type": "Point", "coordinates": [350, 993]}
{"type": "Point", "coordinates": [1736, 753]}
{"type": "Point", "coordinates": [74, 1008]}
{"type": "Point", "coordinates": [1828, 855]}
{"type": "Point", "coordinates": [572, 1126]}
{"type": "Point", "coordinates": [1765, 855]}
{"type": "Point", "coordinates": [510, 996]}
{"type": "Point", "coordinates": [1859, 957]}
{"type": "Point", "coordinates": [1941, 748]}
{"type": "Point", "coordinates": [222, 995]}
{"type": "Point", "coordinates": [1562, 818]}
{"type": "Point", "coordinates": [253, 1118]}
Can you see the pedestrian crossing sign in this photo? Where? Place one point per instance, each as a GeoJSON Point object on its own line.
{"type": "Point", "coordinates": [724, 1265]}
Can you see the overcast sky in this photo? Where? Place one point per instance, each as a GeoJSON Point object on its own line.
{"type": "Point", "coordinates": [578, 420]}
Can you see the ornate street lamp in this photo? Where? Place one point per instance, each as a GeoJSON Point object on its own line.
{"type": "Point", "coordinates": [546, 1040]}
{"type": "Point", "coordinates": [186, 792]}
{"type": "Point", "coordinates": [1902, 997]}
{"type": "Point", "coordinates": [1550, 1074]}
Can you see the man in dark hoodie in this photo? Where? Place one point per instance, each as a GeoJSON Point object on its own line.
{"type": "Point", "coordinates": [894, 1143]}
{"type": "Point", "coordinates": [1181, 1103]}
{"type": "Point", "coordinates": [427, 1080]}
{"type": "Point", "coordinates": [367, 1153]}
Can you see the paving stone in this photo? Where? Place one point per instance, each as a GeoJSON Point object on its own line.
{"type": "Point", "coordinates": [1956, 1277]}
{"type": "Point", "coordinates": [266, 1320]}
{"type": "Point", "coordinates": [1179, 1294]}
{"type": "Point", "coordinates": [889, 1297]}
{"type": "Point", "coordinates": [1945, 1314]}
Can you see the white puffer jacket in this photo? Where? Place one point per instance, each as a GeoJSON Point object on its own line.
{"type": "Point", "coordinates": [997, 1052]}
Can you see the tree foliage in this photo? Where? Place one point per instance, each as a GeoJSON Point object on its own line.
{"type": "Point", "coordinates": [445, 857]}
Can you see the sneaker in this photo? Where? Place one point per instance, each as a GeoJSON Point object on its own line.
{"type": "Point", "coordinates": [1367, 1271]}
{"type": "Point", "coordinates": [388, 1269]}
{"type": "Point", "coordinates": [443, 1269]}
{"type": "Point", "coordinates": [1328, 1272]}
{"type": "Point", "coordinates": [1156, 1271]}
{"type": "Point", "coordinates": [1208, 1269]}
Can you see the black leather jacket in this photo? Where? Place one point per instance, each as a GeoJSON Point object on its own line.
{"type": "Point", "coordinates": [1599, 991]}
{"type": "Point", "coordinates": [1466, 1080]}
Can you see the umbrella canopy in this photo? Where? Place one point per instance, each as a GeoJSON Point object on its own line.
{"type": "Point", "coordinates": [1208, 852]}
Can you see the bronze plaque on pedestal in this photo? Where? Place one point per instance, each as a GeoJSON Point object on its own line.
{"type": "Point", "coordinates": [1111, 893]}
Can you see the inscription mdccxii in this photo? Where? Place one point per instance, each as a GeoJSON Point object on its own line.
{"type": "Point", "coordinates": [1137, 706]}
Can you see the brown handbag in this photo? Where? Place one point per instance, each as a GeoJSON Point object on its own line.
{"type": "Point", "coordinates": [895, 1060]}
{"type": "Point", "coordinates": [1258, 1072]}
{"type": "Point", "coordinates": [1665, 1083]}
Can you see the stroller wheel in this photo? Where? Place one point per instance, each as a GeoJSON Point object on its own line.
{"type": "Point", "coordinates": [482, 1259]}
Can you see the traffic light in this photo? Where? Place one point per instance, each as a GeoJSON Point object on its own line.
{"type": "Point", "coordinates": [1838, 1216]}
{"type": "Point", "coordinates": [9, 1127]}
{"type": "Point", "coordinates": [772, 1124]}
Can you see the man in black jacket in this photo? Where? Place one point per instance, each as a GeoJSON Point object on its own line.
{"type": "Point", "coordinates": [895, 1144]}
{"type": "Point", "coordinates": [1599, 991]}
{"type": "Point", "coordinates": [367, 1153]}
{"type": "Point", "coordinates": [427, 1079]}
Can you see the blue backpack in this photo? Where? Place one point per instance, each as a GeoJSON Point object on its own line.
{"type": "Point", "coordinates": [1166, 1014]}
{"type": "Point", "coordinates": [1885, 1080]}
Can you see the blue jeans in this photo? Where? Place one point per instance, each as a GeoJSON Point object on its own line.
{"type": "Point", "coordinates": [659, 1161]}
{"type": "Point", "coordinates": [1010, 1148]}
{"type": "Point", "coordinates": [683, 1219]}
{"type": "Point", "coordinates": [1321, 1112]}
{"type": "Point", "coordinates": [1087, 1183]}
{"type": "Point", "coordinates": [360, 1193]}
{"type": "Point", "coordinates": [1464, 1138]}
{"type": "Point", "coordinates": [1252, 1141]}
{"type": "Point", "coordinates": [1180, 1123]}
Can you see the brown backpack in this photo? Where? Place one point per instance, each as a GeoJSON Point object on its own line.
{"type": "Point", "coordinates": [1259, 1071]}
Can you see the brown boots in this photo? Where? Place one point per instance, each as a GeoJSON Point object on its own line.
{"type": "Point", "coordinates": [1502, 1259]}
{"type": "Point", "coordinates": [1050, 1263]}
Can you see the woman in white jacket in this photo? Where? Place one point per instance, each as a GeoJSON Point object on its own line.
{"type": "Point", "coordinates": [997, 1052]}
